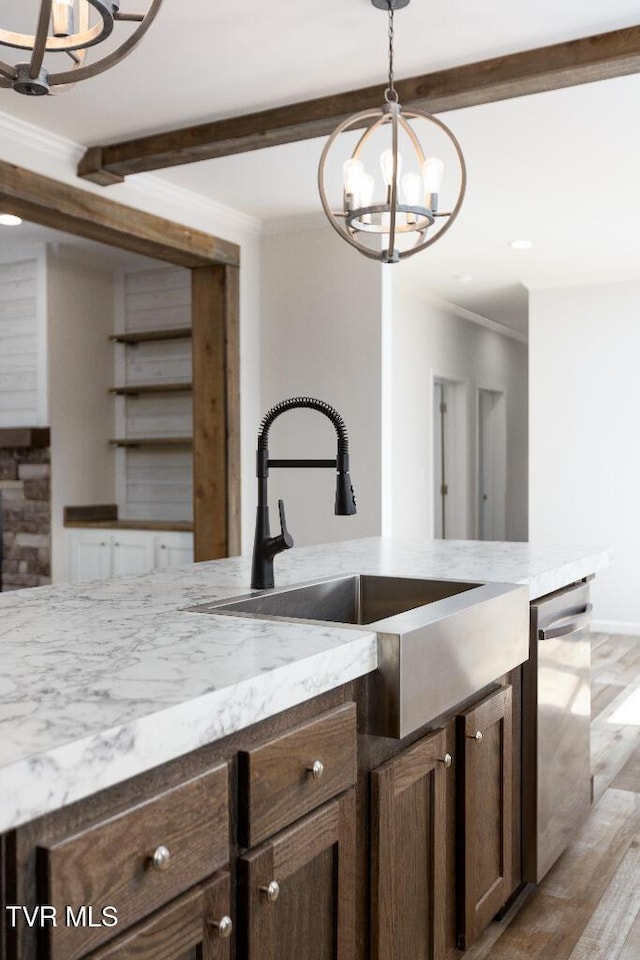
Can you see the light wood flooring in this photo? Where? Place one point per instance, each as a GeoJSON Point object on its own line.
{"type": "Point", "coordinates": [588, 905]}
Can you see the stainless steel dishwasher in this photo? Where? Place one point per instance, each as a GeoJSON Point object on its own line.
{"type": "Point", "coordinates": [556, 714]}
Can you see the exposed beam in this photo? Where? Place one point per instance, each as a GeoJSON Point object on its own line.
{"type": "Point", "coordinates": [600, 57]}
{"type": "Point", "coordinates": [63, 207]}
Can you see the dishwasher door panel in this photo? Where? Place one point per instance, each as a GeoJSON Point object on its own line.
{"type": "Point", "coordinates": [556, 728]}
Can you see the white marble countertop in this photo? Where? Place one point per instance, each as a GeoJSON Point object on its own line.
{"type": "Point", "coordinates": [102, 680]}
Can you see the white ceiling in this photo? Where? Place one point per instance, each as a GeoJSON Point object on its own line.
{"type": "Point", "coordinates": [559, 168]}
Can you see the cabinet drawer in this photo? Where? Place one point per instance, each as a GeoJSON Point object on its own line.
{"type": "Point", "coordinates": [278, 782]}
{"type": "Point", "coordinates": [112, 863]}
{"type": "Point", "coordinates": [187, 927]}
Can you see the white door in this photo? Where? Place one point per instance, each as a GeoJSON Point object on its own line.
{"type": "Point", "coordinates": [492, 467]}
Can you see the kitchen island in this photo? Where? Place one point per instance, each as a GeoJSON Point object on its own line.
{"type": "Point", "coordinates": [103, 681]}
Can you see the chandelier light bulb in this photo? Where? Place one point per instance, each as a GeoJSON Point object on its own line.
{"type": "Point", "coordinates": [367, 187]}
{"type": "Point", "coordinates": [62, 20]}
{"type": "Point", "coordinates": [432, 174]}
{"type": "Point", "coordinates": [386, 165]}
{"type": "Point", "coordinates": [412, 189]}
{"type": "Point", "coordinates": [352, 174]}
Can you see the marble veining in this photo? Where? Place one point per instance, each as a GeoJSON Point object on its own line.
{"type": "Point", "coordinates": [102, 680]}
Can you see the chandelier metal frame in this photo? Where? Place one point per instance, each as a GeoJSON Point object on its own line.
{"type": "Point", "coordinates": [382, 218]}
{"type": "Point", "coordinates": [34, 79]}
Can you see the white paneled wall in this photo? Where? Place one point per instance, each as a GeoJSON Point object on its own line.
{"type": "Point", "coordinates": [163, 361]}
{"type": "Point", "coordinates": [23, 382]}
{"type": "Point", "coordinates": [154, 483]}
{"type": "Point", "coordinates": [158, 485]}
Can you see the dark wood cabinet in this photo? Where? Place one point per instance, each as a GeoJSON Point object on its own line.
{"type": "Point", "coordinates": [485, 785]}
{"type": "Point", "coordinates": [408, 850]}
{"type": "Point", "coordinates": [196, 926]}
{"type": "Point", "coordinates": [297, 890]}
{"type": "Point", "coordinates": [337, 847]}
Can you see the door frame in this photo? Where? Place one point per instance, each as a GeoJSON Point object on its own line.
{"type": "Point", "coordinates": [501, 389]}
{"type": "Point", "coordinates": [215, 269]}
{"type": "Point", "coordinates": [458, 516]}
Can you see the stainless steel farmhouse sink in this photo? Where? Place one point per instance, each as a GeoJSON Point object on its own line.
{"type": "Point", "coordinates": [439, 641]}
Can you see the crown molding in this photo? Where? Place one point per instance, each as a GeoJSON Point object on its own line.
{"type": "Point", "coordinates": [478, 319]}
{"type": "Point", "coordinates": [154, 187]}
{"type": "Point", "coordinates": [147, 185]}
{"type": "Point", "coordinates": [36, 138]}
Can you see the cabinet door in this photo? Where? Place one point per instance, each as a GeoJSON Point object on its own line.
{"type": "Point", "coordinates": [197, 926]}
{"type": "Point", "coordinates": [90, 554]}
{"type": "Point", "coordinates": [408, 843]}
{"type": "Point", "coordinates": [485, 804]}
{"type": "Point", "coordinates": [298, 889]}
{"type": "Point", "coordinates": [132, 553]}
{"type": "Point", "coordinates": [173, 549]}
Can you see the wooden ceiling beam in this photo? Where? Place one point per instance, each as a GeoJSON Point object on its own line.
{"type": "Point", "coordinates": [600, 57]}
{"type": "Point", "coordinates": [63, 207]}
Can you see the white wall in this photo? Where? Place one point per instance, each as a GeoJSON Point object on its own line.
{"type": "Point", "coordinates": [585, 447]}
{"type": "Point", "coordinates": [80, 320]}
{"type": "Point", "coordinates": [429, 340]}
{"type": "Point", "coordinates": [321, 337]}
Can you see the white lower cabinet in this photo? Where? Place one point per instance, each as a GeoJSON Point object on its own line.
{"type": "Point", "coordinates": [173, 550]}
{"type": "Point", "coordinates": [98, 553]}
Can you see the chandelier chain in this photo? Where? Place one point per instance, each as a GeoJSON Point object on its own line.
{"type": "Point", "coordinates": [390, 93]}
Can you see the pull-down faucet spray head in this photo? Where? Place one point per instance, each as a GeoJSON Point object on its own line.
{"type": "Point", "coordinates": [345, 499]}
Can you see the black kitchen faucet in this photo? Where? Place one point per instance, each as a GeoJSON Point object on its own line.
{"type": "Point", "coordinates": [266, 547]}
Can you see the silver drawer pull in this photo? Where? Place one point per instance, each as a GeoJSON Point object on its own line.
{"type": "Point", "coordinates": [272, 892]}
{"type": "Point", "coordinates": [161, 858]}
{"type": "Point", "coordinates": [447, 760]}
{"type": "Point", "coordinates": [316, 770]}
{"type": "Point", "coordinates": [224, 926]}
{"type": "Point", "coordinates": [477, 736]}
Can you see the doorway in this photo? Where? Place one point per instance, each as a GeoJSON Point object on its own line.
{"type": "Point", "coordinates": [492, 464]}
{"type": "Point", "coordinates": [450, 485]}
{"type": "Point", "coordinates": [215, 314]}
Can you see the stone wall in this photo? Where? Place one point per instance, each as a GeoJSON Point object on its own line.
{"type": "Point", "coordinates": [25, 493]}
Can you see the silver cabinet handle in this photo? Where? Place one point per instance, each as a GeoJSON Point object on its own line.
{"type": "Point", "coordinates": [224, 926]}
{"type": "Point", "coordinates": [566, 625]}
{"type": "Point", "coordinates": [161, 859]}
{"type": "Point", "coordinates": [447, 760]}
{"type": "Point", "coordinates": [477, 736]}
{"type": "Point", "coordinates": [271, 892]}
{"type": "Point", "coordinates": [316, 770]}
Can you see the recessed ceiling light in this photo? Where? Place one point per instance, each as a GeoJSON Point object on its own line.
{"type": "Point", "coordinates": [463, 277]}
{"type": "Point", "coordinates": [8, 220]}
{"type": "Point", "coordinates": [520, 244]}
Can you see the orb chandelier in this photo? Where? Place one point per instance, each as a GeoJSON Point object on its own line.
{"type": "Point", "coordinates": [65, 29]}
{"type": "Point", "coordinates": [409, 205]}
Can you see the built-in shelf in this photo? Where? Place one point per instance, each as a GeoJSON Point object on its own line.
{"type": "Point", "coordinates": [145, 336]}
{"type": "Point", "coordinates": [152, 442]}
{"type": "Point", "coordinates": [134, 390]}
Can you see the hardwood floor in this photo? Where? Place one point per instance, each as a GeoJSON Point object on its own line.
{"type": "Point", "coordinates": [588, 905]}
